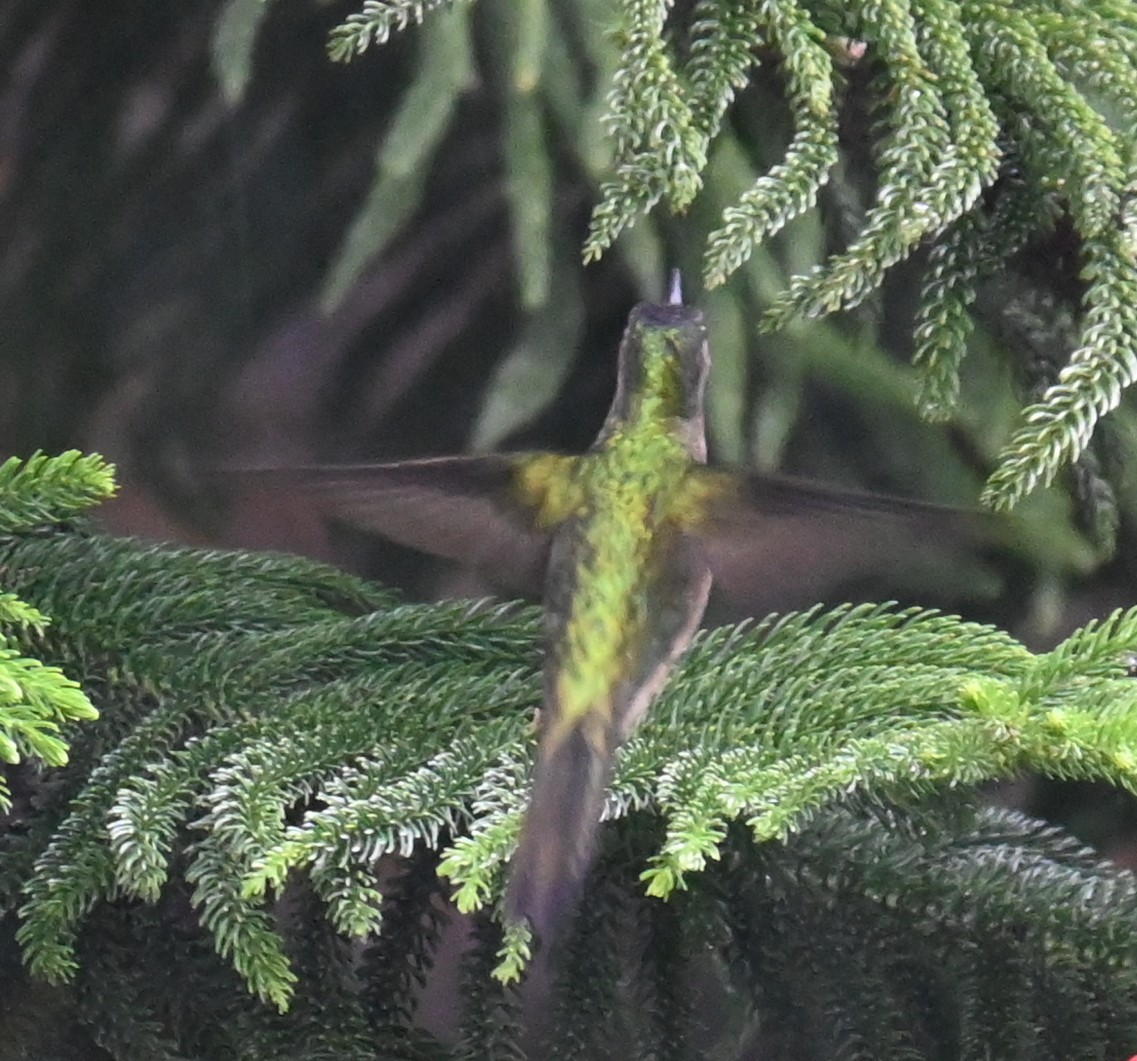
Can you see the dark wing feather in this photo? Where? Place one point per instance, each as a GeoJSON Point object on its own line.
{"type": "Point", "coordinates": [463, 508]}
{"type": "Point", "coordinates": [775, 543]}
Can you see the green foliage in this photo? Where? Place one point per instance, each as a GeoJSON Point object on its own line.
{"type": "Point", "coordinates": [993, 121]}
{"type": "Point", "coordinates": [295, 779]}
{"type": "Point", "coordinates": [273, 733]}
{"type": "Point", "coordinates": [37, 701]}
{"type": "Point", "coordinates": [445, 71]}
{"type": "Point", "coordinates": [374, 24]}
{"type": "Point", "coordinates": [44, 490]}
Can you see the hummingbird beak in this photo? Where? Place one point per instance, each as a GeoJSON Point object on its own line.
{"type": "Point", "coordinates": [675, 291]}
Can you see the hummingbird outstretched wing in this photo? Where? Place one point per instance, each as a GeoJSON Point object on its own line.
{"type": "Point", "coordinates": [470, 509]}
{"type": "Point", "coordinates": [774, 542]}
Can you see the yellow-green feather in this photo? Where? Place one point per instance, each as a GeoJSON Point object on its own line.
{"type": "Point", "coordinates": [622, 596]}
{"type": "Point", "coordinates": [630, 486]}
{"type": "Point", "coordinates": [547, 485]}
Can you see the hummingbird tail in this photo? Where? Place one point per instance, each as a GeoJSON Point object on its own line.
{"type": "Point", "coordinates": [558, 835]}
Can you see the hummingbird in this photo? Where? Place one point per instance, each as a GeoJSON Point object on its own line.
{"type": "Point", "coordinates": [623, 544]}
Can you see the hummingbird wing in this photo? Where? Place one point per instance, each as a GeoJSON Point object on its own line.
{"type": "Point", "coordinates": [480, 511]}
{"type": "Point", "coordinates": [775, 542]}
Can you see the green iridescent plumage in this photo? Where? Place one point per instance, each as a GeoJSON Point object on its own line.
{"type": "Point", "coordinates": [624, 592]}
{"type": "Point", "coordinates": [623, 543]}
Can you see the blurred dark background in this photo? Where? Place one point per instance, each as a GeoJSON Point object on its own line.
{"type": "Point", "coordinates": [167, 239]}
{"type": "Point", "coordinates": [164, 250]}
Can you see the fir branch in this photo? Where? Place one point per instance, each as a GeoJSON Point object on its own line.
{"type": "Point", "coordinates": [327, 1018]}
{"type": "Point", "coordinates": [168, 598]}
{"type": "Point", "coordinates": [668, 1010]}
{"type": "Point", "coordinates": [1058, 428]}
{"type": "Point", "coordinates": [804, 743]}
{"type": "Point", "coordinates": [16, 613]}
{"type": "Point", "coordinates": [1010, 971]}
{"type": "Point", "coordinates": [1072, 41]}
{"type": "Point", "coordinates": [37, 701]}
{"type": "Point", "coordinates": [244, 934]}
{"type": "Point", "coordinates": [475, 862]}
{"type": "Point", "coordinates": [175, 585]}
{"type": "Point", "coordinates": [659, 150]}
{"type": "Point", "coordinates": [251, 791]}
{"type": "Point", "coordinates": [493, 1025]}
{"type": "Point", "coordinates": [72, 873]}
{"type": "Point", "coordinates": [939, 152]}
{"type": "Point", "coordinates": [972, 249]}
{"type": "Point", "coordinates": [1069, 147]}
{"type": "Point", "coordinates": [790, 188]}
{"type": "Point", "coordinates": [367, 815]}
{"type": "Point", "coordinates": [148, 811]}
{"type": "Point", "coordinates": [589, 972]}
{"type": "Point", "coordinates": [43, 490]}
{"type": "Point", "coordinates": [960, 85]}
{"type": "Point", "coordinates": [722, 54]}
{"type": "Point", "coordinates": [375, 23]}
{"type": "Point", "coordinates": [1083, 155]}
{"type": "Point", "coordinates": [944, 322]}
{"type": "Point", "coordinates": [116, 994]}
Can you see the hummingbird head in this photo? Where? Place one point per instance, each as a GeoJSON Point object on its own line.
{"type": "Point", "coordinates": [662, 370]}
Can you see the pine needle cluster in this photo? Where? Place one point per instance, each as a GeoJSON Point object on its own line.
{"type": "Point", "coordinates": [254, 848]}
{"type": "Point", "coordinates": [37, 701]}
{"type": "Point", "coordinates": [995, 121]}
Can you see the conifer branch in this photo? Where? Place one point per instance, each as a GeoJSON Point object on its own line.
{"type": "Point", "coordinates": [43, 490]}
{"type": "Point", "coordinates": [37, 701]}
{"type": "Point", "coordinates": [397, 961]}
{"type": "Point", "coordinates": [994, 120]}
{"type": "Point", "coordinates": [318, 747]}
{"type": "Point", "coordinates": [445, 71]}
{"type": "Point", "coordinates": [493, 1026]}
{"type": "Point", "coordinates": [1058, 428]}
{"type": "Point", "coordinates": [375, 23]}
{"type": "Point", "coordinates": [790, 188]}
{"type": "Point", "coordinates": [658, 147]}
